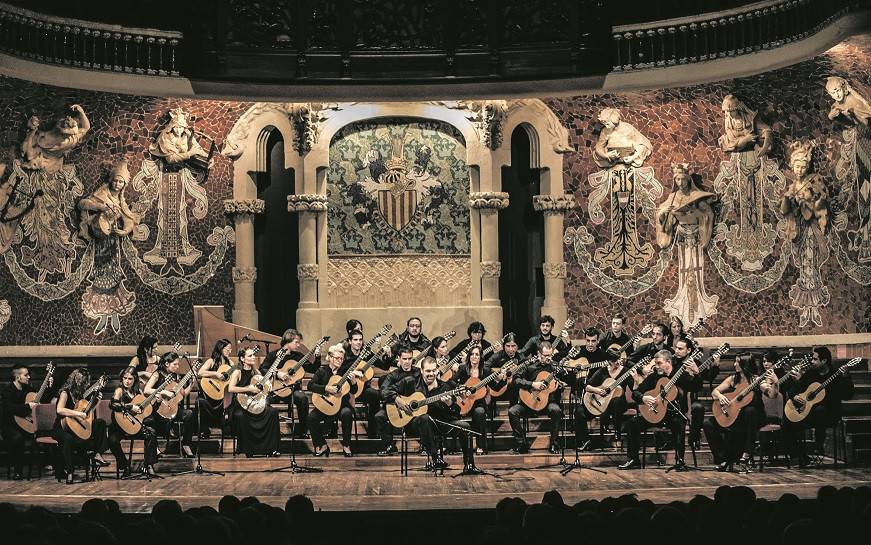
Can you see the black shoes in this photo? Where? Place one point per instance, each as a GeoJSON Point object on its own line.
{"type": "Point", "coordinates": [554, 447]}
{"type": "Point", "coordinates": [631, 464]}
{"type": "Point", "coordinates": [681, 467]}
{"type": "Point", "coordinates": [723, 467]}
{"type": "Point", "coordinates": [471, 469]}
{"type": "Point", "coordinates": [150, 471]}
{"type": "Point", "coordinates": [186, 451]}
{"type": "Point", "coordinates": [389, 451]}
{"type": "Point", "coordinates": [323, 452]}
{"type": "Point", "coordinates": [126, 472]}
{"type": "Point", "coordinates": [519, 448]}
{"type": "Point", "coordinates": [98, 459]}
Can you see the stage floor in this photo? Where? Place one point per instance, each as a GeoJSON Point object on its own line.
{"type": "Point", "coordinates": [365, 483]}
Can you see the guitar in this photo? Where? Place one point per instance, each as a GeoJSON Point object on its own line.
{"type": "Point", "coordinates": [537, 399]}
{"type": "Point", "coordinates": [664, 392]}
{"type": "Point", "coordinates": [800, 367]}
{"type": "Point", "coordinates": [215, 387]}
{"type": "Point", "coordinates": [329, 404]}
{"type": "Point", "coordinates": [815, 392]}
{"type": "Point", "coordinates": [560, 339]}
{"type": "Point", "coordinates": [722, 349]}
{"type": "Point", "coordinates": [168, 407]}
{"type": "Point", "coordinates": [725, 413]}
{"type": "Point", "coordinates": [597, 404]}
{"type": "Point", "coordinates": [490, 349]}
{"type": "Point", "coordinates": [131, 422]}
{"type": "Point", "coordinates": [418, 405]}
{"type": "Point", "coordinates": [256, 403]}
{"type": "Point", "coordinates": [512, 371]}
{"type": "Point", "coordinates": [445, 371]}
{"type": "Point", "coordinates": [623, 351]}
{"type": "Point", "coordinates": [295, 371]}
{"type": "Point", "coordinates": [26, 423]}
{"type": "Point", "coordinates": [81, 427]}
{"type": "Point", "coordinates": [478, 388]}
{"type": "Point", "coordinates": [691, 332]}
{"type": "Point", "coordinates": [418, 355]}
{"type": "Point", "coordinates": [367, 368]}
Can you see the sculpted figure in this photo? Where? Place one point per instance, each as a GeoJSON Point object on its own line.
{"type": "Point", "coordinates": [743, 130]}
{"type": "Point", "coordinates": [807, 199]}
{"type": "Point", "coordinates": [619, 142]}
{"type": "Point", "coordinates": [687, 206]}
{"type": "Point", "coordinates": [848, 102]}
{"type": "Point", "coordinates": [176, 142]}
{"type": "Point", "coordinates": [105, 212]}
{"type": "Point", "coordinates": [45, 150]}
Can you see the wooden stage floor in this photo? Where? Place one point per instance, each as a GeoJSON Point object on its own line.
{"type": "Point", "coordinates": [365, 483]}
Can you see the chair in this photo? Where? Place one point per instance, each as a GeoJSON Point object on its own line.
{"type": "Point", "coordinates": [769, 434]}
{"type": "Point", "coordinates": [655, 430]}
{"type": "Point", "coordinates": [839, 442]}
{"type": "Point", "coordinates": [227, 423]}
{"type": "Point", "coordinates": [44, 415]}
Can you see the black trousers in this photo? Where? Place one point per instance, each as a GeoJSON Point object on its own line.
{"type": "Point", "coordinates": [518, 411]}
{"type": "Point", "coordinates": [316, 421]}
{"type": "Point", "coordinates": [727, 444]}
{"type": "Point", "coordinates": [146, 434]}
{"type": "Point", "coordinates": [637, 424]}
{"type": "Point", "coordinates": [15, 438]}
{"type": "Point", "coordinates": [68, 442]}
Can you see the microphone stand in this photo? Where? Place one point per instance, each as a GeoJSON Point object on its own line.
{"type": "Point", "coordinates": [199, 467]}
{"type": "Point", "coordinates": [294, 467]}
{"type": "Point", "coordinates": [679, 464]}
{"type": "Point", "coordinates": [469, 462]}
{"type": "Point", "coordinates": [577, 463]}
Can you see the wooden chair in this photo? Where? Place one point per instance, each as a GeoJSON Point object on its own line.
{"type": "Point", "coordinates": [769, 434]}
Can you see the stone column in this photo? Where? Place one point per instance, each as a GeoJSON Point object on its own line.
{"type": "Point", "coordinates": [244, 273]}
{"type": "Point", "coordinates": [488, 206]}
{"type": "Point", "coordinates": [308, 207]}
{"type": "Point", "coordinates": [554, 208]}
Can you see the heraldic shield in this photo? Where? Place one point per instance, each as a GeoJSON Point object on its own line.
{"type": "Point", "coordinates": [398, 208]}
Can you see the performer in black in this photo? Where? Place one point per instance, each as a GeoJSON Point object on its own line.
{"type": "Point", "coordinates": [122, 402]}
{"type": "Point", "coordinates": [14, 404]}
{"type": "Point", "coordinates": [370, 396]}
{"type": "Point", "coordinates": [473, 367]}
{"type": "Point", "coordinates": [683, 348]}
{"type": "Point", "coordinates": [616, 335]}
{"type": "Point", "coordinates": [337, 364]}
{"type": "Point", "coordinates": [71, 393]}
{"type": "Point", "coordinates": [290, 342]}
{"type": "Point", "coordinates": [593, 382]}
{"type": "Point", "coordinates": [211, 411]}
{"type": "Point", "coordinates": [388, 395]}
{"type": "Point", "coordinates": [168, 368]}
{"type": "Point", "coordinates": [499, 359]}
{"type": "Point", "coordinates": [560, 345]}
{"type": "Point", "coordinates": [527, 381]}
{"type": "Point", "coordinates": [258, 433]}
{"type": "Point", "coordinates": [476, 332]}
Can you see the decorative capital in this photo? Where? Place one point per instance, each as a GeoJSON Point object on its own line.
{"type": "Point", "coordinates": [550, 204]}
{"type": "Point", "coordinates": [306, 203]}
{"type": "Point", "coordinates": [307, 271]}
{"type": "Point", "coordinates": [487, 116]}
{"type": "Point", "coordinates": [244, 208]}
{"type": "Point", "coordinates": [491, 269]}
{"type": "Point", "coordinates": [244, 275]}
{"type": "Point", "coordinates": [555, 270]}
{"type": "Point", "coordinates": [488, 201]}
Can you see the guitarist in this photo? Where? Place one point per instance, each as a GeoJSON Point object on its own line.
{"type": "Point", "coordinates": [387, 383]}
{"type": "Point", "coordinates": [412, 337]}
{"type": "Point", "coordinates": [593, 352]}
{"type": "Point", "coordinates": [476, 333]}
{"type": "Point", "coordinates": [444, 410]}
{"type": "Point", "coordinates": [370, 396]}
{"type": "Point", "coordinates": [740, 437]}
{"type": "Point", "coordinates": [122, 402]}
{"type": "Point", "coordinates": [499, 359]}
{"type": "Point", "coordinates": [616, 335]}
{"type": "Point", "coordinates": [337, 364]}
{"type": "Point", "coordinates": [823, 414]}
{"type": "Point", "coordinates": [258, 433]}
{"type": "Point", "coordinates": [664, 368]}
{"type": "Point", "coordinates": [560, 345]}
{"type": "Point", "coordinates": [71, 393]}
{"type": "Point", "coordinates": [475, 368]}
{"type": "Point", "coordinates": [168, 368]}
{"type": "Point", "coordinates": [212, 410]}
{"type": "Point", "coordinates": [683, 347]}
{"type": "Point", "coordinates": [526, 380]}
{"type": "Point", "coordinates": [290, 342]}
{"type": "Point", "coordinates": [14, 404]}
{"type": "Point", "coordinates": [593, 383]}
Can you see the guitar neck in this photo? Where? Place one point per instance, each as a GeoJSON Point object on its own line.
{"type": "Point", "coordinates": [433, 399]}
{"type": "Point", "coordinates": [626, 374]}
{"type": "Point", "coordinates": [42, 388]}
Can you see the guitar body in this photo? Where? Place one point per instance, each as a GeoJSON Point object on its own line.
{"type": "Point", "coordinates": [400, 419]}
{"type": "Point", "coordinates": [168, 408]}
{"type": "Point", "coordinates": [537, 399]}
{"type": "Point", "coordinates": [796, 414]}
{"type": "Point", "coordinates": [215, 387]}
{"type": "Point", "coordinates": [501, 391]}
{"type": "Point", "coordinates": [614, 348]}
{"type": "Point", "coordinates": [26, 423]}
{"type": "Point", "coordinates": [466, 403]}
{"type": "Point", "coordinates": [656, 414]}
{"type": "Point", "coordinates": [596, 404]}
{"type": "Point", "coordinates": [581, 362]}
{"type": "Point", "coordinates": [80, 427]}
{"type": "Point", "coordinates": [255, 403]}
{"type": "Point", "coordinates": [330, 404]}
{"type": "Point", "coordinates": [294, 377]}
{"type": "Point", "coordinates": [726, 417]}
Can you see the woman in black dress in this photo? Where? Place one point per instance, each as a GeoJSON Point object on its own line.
{"type": "Point", "coordinates": [71, 393]}
{"type": "Point", "coordinates": [212, 410]}
{"type": "Point", "coordinates": [258, 433]}
{"type": "Point", "coordinates": [122, 402]}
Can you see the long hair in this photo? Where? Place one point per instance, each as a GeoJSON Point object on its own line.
{"type": "Point", "coordinates": [165, 360]}
{"type": "Point", "coordinates": [748, 366]}
{"type": "Point", "coordinates": [480, 357]}
{"type": "Point", "coordinates": [77, 383]}
{"type": "Point", "coordinates": [147, 342]}
{"type": "Point", "coordinates": [218, 351]}
{"type": "Point", "coordinates": [131, 370]}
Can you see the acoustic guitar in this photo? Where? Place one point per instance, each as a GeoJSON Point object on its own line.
{"type": "Point", "coordinates": [329, 404]}
{"type": "Point", "coordinates": [477, 387]}
{"type": "Point", "coordinates": [560, 339]}
{"type": "Point", "coordinates": [131, 422]}
{"type": "Point", "coordinates": [295, 370]}
{"type": "Point", "coordinates": [418, 406]}
{"type": "Point", "coordinates": [168, 407]}
{"type": "Point", "coordinates": [597, 404]}
{"type": "Point", "coordinates": [256, 403]}
{"type": "Point", "coordinates": [726, 413]}
{"type": "Point", "coordinates": [151, 368]}
{"type": "Point", "coordinates": [368, 369]}
{"type": "Point", "coordinates": [664, 393]}
{"type": "Point", "coordinates": [512, 372]}
{"type": "Point", "coordinates": [26, 423]}
{"type": "Point", "coordinates": [82, 427]}
{"type": "Point", "coordinates": [445, 370]}
{"type": "Point", "coordinates": [418, 355]}
{"type": "Point", "coordinates": [216, 387]}
{"type": "Point", "coordinates": [815, 392]}
{"type": "Point", "coordinates": [622, 351]}
{"type": "Point", "coordinates": [537, 399]}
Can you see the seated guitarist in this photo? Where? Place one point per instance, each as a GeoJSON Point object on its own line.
{"type": "Point", "coordinates": [476, 333]}
{"type": "Point", "coordinates": [212, 410]}
{"type": "Point", "coordinates": [337, 364]}
{"type": "Point", "coordinates": [593, 383]}
{"type": "Point", "coordinates": [370, 396]}
{"type": "Point", "coordinates": [826, 412]}
{"type": "Point", "coordinates": [560, 345]}
{"type": "Point", "coordinates": [444, 410]}
{"type": "Point", "coordinates": [258, 433]}
{"type": "Point", "coordinates": [616, 335]}
{"type": "Point", "coordinates": [14, 396]}
{"type": "Point", "coordinates": [499, 359]}
{"type": "Point", "coordinates": [71, 393]}
{"type": "Point", "coordinates": [168, 368]}
{"type": "Point", "coordinates": [674, 418]}
{"type": "Point", "coordinates": [683, 347]}
{"type": "Point", "coordinates": [290, 342]}
{"type": "Point", "coordinates": [739, 438]}
{"type": "Point", "coordinates": [122, 401]}
{"type": "Point", "coordinates": [412, 337]}
{"type": "Point", "coordinates": [473, 367]}
{"type": "Point", "coordinates": [527, 381]}
{"type": "Point", "coordinates": [404, 357]}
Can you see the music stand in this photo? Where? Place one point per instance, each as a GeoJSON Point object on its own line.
{"type": "Point", "coordinates": [679, 463]}
{"type": "Point", "coordinates": [577, 463]}
{"type": "Point", "coordinates": [469, 467]}
{"type": "Point", "coordinates": [293, 467]}
{"type": "Point", "coordinates": [199, 467]}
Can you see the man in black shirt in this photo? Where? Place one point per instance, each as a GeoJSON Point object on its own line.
{"type": "Point", "coordinates": [682, 350]}
{"type": "Point", "coordinates": [657, 343]}
{"type": "Point", "coordinates": [528, 380]}
{"type": "Point", "coordinates": [560, 345]}
{"type": "Point", "coordinates": [591, 353]}
{"type": "Point", "coordinates": [412, 337]}
{"type": "Point", "coordinates": [290, 342]}
{"type": "Point", "coordinates": [404, 357]}
{"type": "Point", "coordinates": [14, 404]}
{"type": "Point", "coordinates": [616, 335]}
{"type": "Point", "coordinates": [498, 359]}
{"type": "Point", "coordinates": [338, 364]}
{"type": "Point", "coordinates": [476, 333]}
{"type": "Point", "coordinates": [370, 396]}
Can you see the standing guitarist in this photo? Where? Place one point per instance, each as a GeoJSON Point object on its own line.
{"type": "Point", "coordinates": [823, 414]}
{"type": "Point", "coordinates": [15, 404]}
{"type": "Point", "coordinates": [290, 343]}
{"type": "Point", "coordinates": [674, 419]}
{"type": "Point", "coordinates": [338, 364]}
{"type": "Point", "coordinates": [527, 380]}
{"type": "Point", "coordinates": [404, 357]}
{"type": "Point", "coordinates": [560, 345]}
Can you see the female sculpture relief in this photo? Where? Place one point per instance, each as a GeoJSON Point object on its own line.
{"type": "Point", "coordinates": [620, 142]}
{"type": "Point", "coordinates": [848, 102]}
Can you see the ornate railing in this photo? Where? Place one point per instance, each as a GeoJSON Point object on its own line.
{"type": "Point", "coordinates": [723, 34]}
{"type": "Point", "coordinates": [84, 44]}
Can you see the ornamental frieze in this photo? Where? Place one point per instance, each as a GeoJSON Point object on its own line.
{"type": "Point", "coordinates": [550, 204]}
{"type": "Point", "coordinates": [488, 201]}
{"type": "Point", "coordinates": [244, 274]}
{"type": "Point", "coordinates": [491, 269]}
{"type": "Point", "coordinates": [306, 203]}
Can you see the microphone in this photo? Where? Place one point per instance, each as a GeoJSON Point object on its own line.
{"type": "Point", "coordinates": [247, 337]}
{"type": "Point", "coordinates": [186, 354]}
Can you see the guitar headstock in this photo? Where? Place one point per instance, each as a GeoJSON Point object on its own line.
{"type": "Point", "coordinates": [572, 353]}
{"type": "Point", "coordinates": [450, 335]}
{"type": "Point", "coordinates": [695, 327]}
{"type": "Point", "coordinates": [49, 369]}
{"type": "Point", "coordinates": [101, 382]}
{"type": "Point", "coordinates": [177, 348]}
{"type": "Point", "coordinates": [278, 355]}
{"type": "Point", "coordinates": [322, 342]}
{"type": "Point", "coordinates": [722, 349]}
{"type": "Point", "coordinates": [642, 362]}
{"type": "Point", "coordinates": [256, 349]}
{"type": "Point", "coordinates": [565, 330]}
{"type": "Point", "coordinates": [852, 363]}
{"type": "Point", "coordinates": [391, 340]}
{"type": "Point", "coordinates": [645, 330]}
{"type": "Point", "coordinates": [697, 353]}
{"type": "Point", "coordinates": [505, 339]}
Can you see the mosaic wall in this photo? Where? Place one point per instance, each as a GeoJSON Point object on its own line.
{"type": "Point", "coordinates": [755, 276]}
{"type": "Point", "coordinates": [398, 186]}
{"type": "Point", "coordinates": [61, 285]}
